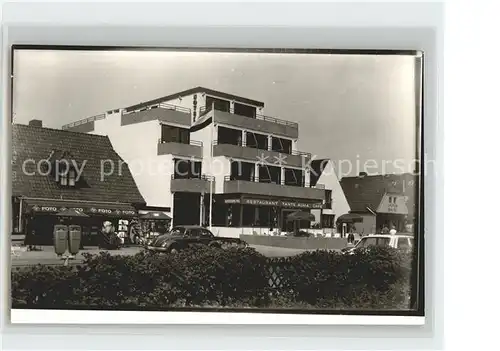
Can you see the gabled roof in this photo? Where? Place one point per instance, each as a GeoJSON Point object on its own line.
{"type": "Point", "coordinates": [194, 91]}
{"type": "Point", "coordinates": [39, 144]}
{"type": "Point", "coordinates": [367, 191]}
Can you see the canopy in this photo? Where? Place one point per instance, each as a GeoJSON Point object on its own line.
{"type": "Point", "coordinates": [301, 216]}
{"type": "Point", "coordinates": [71, 212]}
{"type": "Point", "coordinates": [350, 218]}
{"type": "Point", "coordinates": [155, 215]}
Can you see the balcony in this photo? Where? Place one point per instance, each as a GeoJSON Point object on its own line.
{"type": "Point", "coordinates": [161, 112]}
{"type": "Point", "coordinates": [193, 149]}
{"type": "Point", "coordinates": [296, 159]}
{"type": "Point", "coordinates": [192, 185]}
{"type": "Point", "coordinates": [260, 123]}
{"type": "Point", "coordinates": [255, 187]}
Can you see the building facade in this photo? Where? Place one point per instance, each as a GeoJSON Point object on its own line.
{"type": "Point", "coordinates": [202, 149]}
{"type": "Point", "coordinates": [382, 201]}
{"type": "Point", "coordinates": [55, 170]}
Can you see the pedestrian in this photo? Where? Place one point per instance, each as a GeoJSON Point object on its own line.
{"type": "Point", "coordinates": [393, 230]}
{"type": "Point", "coordinates": [385, 230]}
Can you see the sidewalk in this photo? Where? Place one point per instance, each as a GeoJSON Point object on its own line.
{"type": "Point", "coordinates": [48, 256]}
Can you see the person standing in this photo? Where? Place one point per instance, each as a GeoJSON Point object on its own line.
{"type": "Point", "coordinates": [393, 231]}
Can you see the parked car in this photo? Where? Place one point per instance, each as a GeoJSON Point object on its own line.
{"type": "Point", "coordinates": [182, 237]}
{"type": "Point", "coordinates": [399, 242]}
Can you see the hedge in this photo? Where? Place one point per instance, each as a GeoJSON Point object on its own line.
{"type": "Point", "coordinates": [219, 278]}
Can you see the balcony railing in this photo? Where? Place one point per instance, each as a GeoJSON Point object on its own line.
{"type": "Point", "coordinates": [194, 176]}
{"type": "Point", "coordinates": [205, 109]}
{"type": "Point", "coordinates": [162, 105]}
{"type": "Point", "coordinates": [83, 121]}
{"type": "Point", "coordinates": [191, 142]}
{"type": "Point", "coordinates": [294, 152]}
{"type": "Point", "coordinates": [270, 181]}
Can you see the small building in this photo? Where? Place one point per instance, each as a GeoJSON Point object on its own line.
{"type": "Point", "coordinates": [381, 201]}
{"type": "Point", "coordinates": [197, 144]}
{"type": "Point", "coordinates": [55, 170]}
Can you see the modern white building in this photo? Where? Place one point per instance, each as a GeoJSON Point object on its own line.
{"type": "Point", "coordinates": [192, 146]}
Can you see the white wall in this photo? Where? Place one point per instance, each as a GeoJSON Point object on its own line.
{"type": "Point", "coordinates": [187, 102]}
{"type": "Point", "coordinates": [396, 207]}
{"type": "Point", "coordinates": [137, 145]}
{"type": "Point", "coordinates": [329, 178]}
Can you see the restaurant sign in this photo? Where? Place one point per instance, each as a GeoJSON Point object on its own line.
{"type": "Point", "coordinates": [261, 202]}
{"type": "Point", "coordinates": [92, 210]}
{"type": "Point", "coordinates": [277, 203]}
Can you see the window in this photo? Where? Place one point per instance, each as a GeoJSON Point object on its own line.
{"type": "Point", "coordinates": [403, 244]}
{"type": "Point", "coordinates": [328, 221]}
{"type": "Point", "coordinates": [178, 231]}
{"type": "Point", "coordinates": [229, 136]}
{"type": "Point", "coordinates": [258, 141]}
{"type": "Point", "coordinates": [219, 104]}
{"type": "Point", "coordinates": [68, 178]}
{"type": "Point", "coordinates": [293, 177]}
{"type": "Point", "coordinates": [328, 199]}
{"type": "Point", "coordinates": [281, 145]}
{"type": "Point", "coordinates": [245, 110]}
{"type": "Point", "coordinates": [204, 233]}
{"type": "Point", "coordinates": [174, 134]}
{"type": "Point", "coordinates": [186, 169]}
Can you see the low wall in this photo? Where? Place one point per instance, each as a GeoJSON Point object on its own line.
{"type": "Point", "coordinates": [296, 243]}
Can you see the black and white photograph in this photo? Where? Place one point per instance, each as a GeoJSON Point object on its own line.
{"type": "Point", "coordinates": [175, 179]}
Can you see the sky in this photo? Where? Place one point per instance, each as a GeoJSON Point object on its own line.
{"type": "Point", "coordinates": [358, 110]}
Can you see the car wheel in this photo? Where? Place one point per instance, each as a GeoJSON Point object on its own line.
{"type": "Point", "coordinates": [174, 250]}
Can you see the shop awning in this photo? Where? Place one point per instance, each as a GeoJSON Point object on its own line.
{"type": "Point", "coordinates": [54, 206]}
{"type": "Point", "coordinates": [350, 218]}
{"type": "Point", "coordinates": [301, 216]}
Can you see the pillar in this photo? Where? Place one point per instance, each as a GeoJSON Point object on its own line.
{"type": "Point", "coordinates": [172, 209]}
{"type": "Point", "coordinates": [256, 173]}
{"type": "Point", "coordinates": [244, 138]}
{"type": "Point", "coordinates": [202, 208]}
{"type": "Point", "coordinates": [269, 142]}
{"type": "Point", "coordinates": [307, 180]}
{"type": "Point", "coordinates": [282, 177]}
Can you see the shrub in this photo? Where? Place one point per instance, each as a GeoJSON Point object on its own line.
{"type": "Point", "coordinates": [319, 275]}
{"type": "Point", "coordinates": [205, 276]}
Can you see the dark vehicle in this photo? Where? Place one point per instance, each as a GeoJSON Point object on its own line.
{"type": "Point", "coordinates": [182, 237]}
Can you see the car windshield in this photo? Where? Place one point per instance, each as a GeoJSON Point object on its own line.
{"type": "Point", "coordinates": [373, 241]}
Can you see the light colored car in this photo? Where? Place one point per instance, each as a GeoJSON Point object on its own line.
{"type": "Point", "coordinates": [399, 242]}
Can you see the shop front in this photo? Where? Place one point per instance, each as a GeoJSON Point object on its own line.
{"type": "Point", "coordinates": [38, 217]}
{"type": "Point", "coordinates": [254, 212]}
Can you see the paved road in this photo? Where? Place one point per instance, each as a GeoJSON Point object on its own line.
{"type": "Point", "coordinates": [48, 257]}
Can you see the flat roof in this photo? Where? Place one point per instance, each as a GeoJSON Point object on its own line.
{"type": "Point", "coordinates": [193, 91]}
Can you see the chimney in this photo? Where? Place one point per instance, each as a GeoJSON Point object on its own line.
{"type": "Point", "coordinates": [362, 174]}
{"type": "Point", "coordinates": [36, 123]}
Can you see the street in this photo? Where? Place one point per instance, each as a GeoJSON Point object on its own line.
{"type": "Point", "coordinates": [48, 257]}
